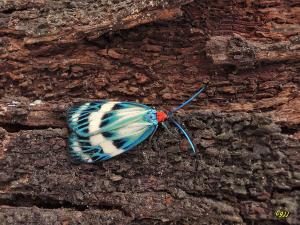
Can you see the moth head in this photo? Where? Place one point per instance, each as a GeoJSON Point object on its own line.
{"type": "Point", "coordinates": [161, 116]}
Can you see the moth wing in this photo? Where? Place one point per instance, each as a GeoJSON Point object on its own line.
{"type": "Point", "coordinates": [112, 129]}
{"type": "Point", "coordinates": [96, 117]}
{"type": "Point", "coordinates": [82, 151]}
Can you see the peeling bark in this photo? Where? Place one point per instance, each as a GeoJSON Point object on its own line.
{"type": "Point", "coordinates": [235, 50]}
{"type": "Point", "coordinates": [54, 54]}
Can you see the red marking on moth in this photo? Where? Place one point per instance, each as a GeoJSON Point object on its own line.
{"type": "Point", "coordinates": [161, 116]}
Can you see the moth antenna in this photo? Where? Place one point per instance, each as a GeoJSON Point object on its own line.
{"type": "Point", "coordinates": [185, 134]}
{"type": "Point", "coordinates": [189, 100]}
{"type": "Point", "coordinates": [170, 116]}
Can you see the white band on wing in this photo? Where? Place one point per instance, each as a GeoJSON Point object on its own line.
{"type": "Point", "coordinates": [95, 119]}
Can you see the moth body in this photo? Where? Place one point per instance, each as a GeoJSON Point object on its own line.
{"type": "Point", "coordinates": [101, 130]}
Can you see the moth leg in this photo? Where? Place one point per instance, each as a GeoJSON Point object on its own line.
{"type": "Point", "coordinates": [150, 144]}
{"type": "Point", "coordinates": [151, 140]}
{"type": "Point", "coordinates": [155, 145]}
{"type": "Point", "coordinates": [167, 129]}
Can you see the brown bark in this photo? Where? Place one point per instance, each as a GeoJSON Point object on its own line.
{"type": "Point", "coordinates": [246, 125]}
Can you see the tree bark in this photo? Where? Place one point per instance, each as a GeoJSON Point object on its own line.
{"type": "Point", "coordinates": [246, 125]}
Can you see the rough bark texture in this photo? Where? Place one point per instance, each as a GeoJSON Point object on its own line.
{"type": "Point", "coordinates": [246, 126]}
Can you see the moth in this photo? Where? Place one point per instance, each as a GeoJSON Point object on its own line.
{"type": "Point", "coordinates": [101, 130]}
